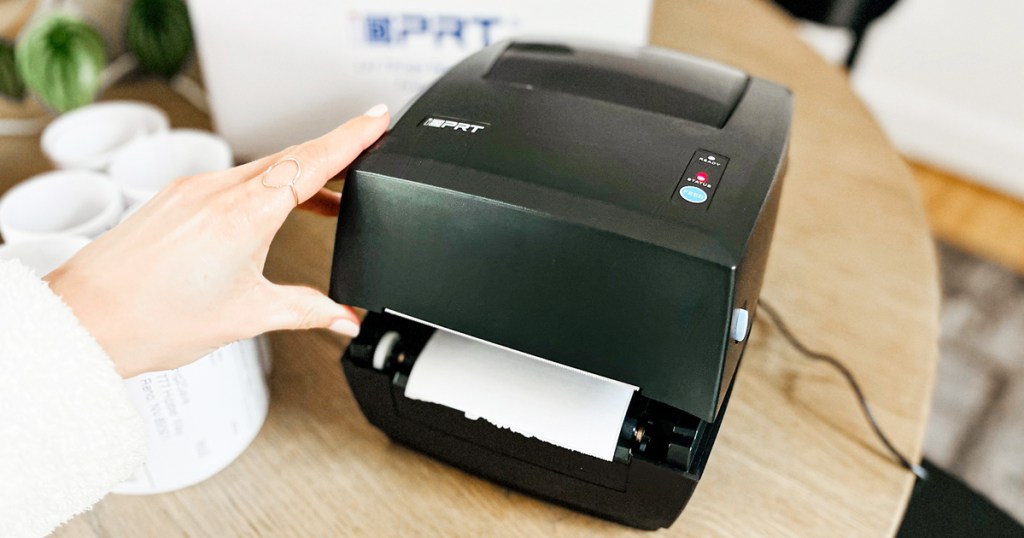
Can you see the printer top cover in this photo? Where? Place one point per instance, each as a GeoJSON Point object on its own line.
{"type": "Point", "coordinates": [604, 209]}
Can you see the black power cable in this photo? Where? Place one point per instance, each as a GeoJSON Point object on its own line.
{"type": "Point", "coordinates": [776, 320]}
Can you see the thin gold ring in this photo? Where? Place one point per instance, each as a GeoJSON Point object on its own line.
{"type": "Point", "coordinates": [290, 184]}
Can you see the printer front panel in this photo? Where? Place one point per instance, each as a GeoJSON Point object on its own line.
{"type": "Point", "coordinates": [592, 300]}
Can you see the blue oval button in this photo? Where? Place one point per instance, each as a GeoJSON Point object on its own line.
{"type": "Point", "coordinates": [694, 195]}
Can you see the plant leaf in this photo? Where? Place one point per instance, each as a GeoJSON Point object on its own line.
{"type": "Point", "coordinates": [61, 59]}
{"type": "Point", "coordinates": [159, 35]}
{"type": "Point", "coordinates": [11, 84]}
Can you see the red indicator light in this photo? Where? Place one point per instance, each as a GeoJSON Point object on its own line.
{"type": "Point", "coordinates": [702, 177]}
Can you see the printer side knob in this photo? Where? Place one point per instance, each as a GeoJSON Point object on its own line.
{"type": "Point", "coordinates": [740, 324]}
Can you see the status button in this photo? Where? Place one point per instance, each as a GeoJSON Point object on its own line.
{"type": "Point", "coordinates": [694, 195]}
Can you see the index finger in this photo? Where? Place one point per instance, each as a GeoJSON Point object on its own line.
{"type": "Point", "coordinates": [310, 165]}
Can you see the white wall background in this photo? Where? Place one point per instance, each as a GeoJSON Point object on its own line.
{"type": "Point", "coordinates": [946, 80]}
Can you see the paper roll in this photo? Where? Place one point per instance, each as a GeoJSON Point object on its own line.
{"type": "Point", "coordinates": [554, 403]}
{"type": "Point", "coordinates": [199, 417]}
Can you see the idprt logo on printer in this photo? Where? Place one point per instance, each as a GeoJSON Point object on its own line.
{"type": "Point", "coordinates": [441, 123]}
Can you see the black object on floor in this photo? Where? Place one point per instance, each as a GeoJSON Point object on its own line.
{"type": "Point", "coordinates": [856, 15]}
{"type": "Point", "coordinates": [942, 505]}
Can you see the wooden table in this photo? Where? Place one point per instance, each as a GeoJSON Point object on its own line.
{"type": "Point", "coordinates": [852, 269]}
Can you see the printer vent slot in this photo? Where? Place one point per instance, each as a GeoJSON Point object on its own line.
{"type": "Point", "coordinates": [687, 88]}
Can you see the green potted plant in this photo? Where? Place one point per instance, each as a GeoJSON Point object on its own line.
{"type": "Point", "coordinates": [62, 61]}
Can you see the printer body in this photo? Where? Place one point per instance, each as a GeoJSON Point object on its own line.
{"type": "Point", "coordinates": [609, 210]}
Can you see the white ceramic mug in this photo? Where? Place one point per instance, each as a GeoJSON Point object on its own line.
{"type": "Point", "coordinates": [44, 254]}
{"type": "Point", "coordinates": [146, 165]}
{"type": "Point", "coordinates": [89, 137]}
{"type": "Point", "coordinates": [64, 202]}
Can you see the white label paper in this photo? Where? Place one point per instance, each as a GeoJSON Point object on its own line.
{"type": "Point", "coordinates": [530, 396]}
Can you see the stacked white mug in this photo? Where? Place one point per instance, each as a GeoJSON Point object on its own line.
{"type": "Point", "coordinates": [200, 417]}
{"type": "Point", "coordinates": [60, 203]}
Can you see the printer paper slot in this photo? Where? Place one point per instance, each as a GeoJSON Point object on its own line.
{"type": "Point", "coordinates": [391, 345]}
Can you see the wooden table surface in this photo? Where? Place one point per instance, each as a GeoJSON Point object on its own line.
{"type": "Point", "coordinates": [852, 269]}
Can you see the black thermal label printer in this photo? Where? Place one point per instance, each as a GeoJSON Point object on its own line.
{"type": "Point", "coordinates": [605, 210]}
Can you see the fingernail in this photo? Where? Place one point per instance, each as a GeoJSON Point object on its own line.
{"type": "Point", "coordinates": [346, 327]}
{"type": "Point", "coordinates": [377, 111]}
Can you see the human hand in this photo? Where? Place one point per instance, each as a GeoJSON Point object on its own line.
{"type": "Point", "coordinates": [184, 275]}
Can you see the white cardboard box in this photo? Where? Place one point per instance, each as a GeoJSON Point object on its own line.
{"type": "Point", "coordinates": [278, 73]}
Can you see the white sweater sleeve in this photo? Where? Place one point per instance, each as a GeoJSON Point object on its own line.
{"type": "Point", "coordinates": [68, 430]}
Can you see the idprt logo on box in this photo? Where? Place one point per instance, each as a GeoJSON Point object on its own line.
{"type": "Point", "coordinates": [406, 28]}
